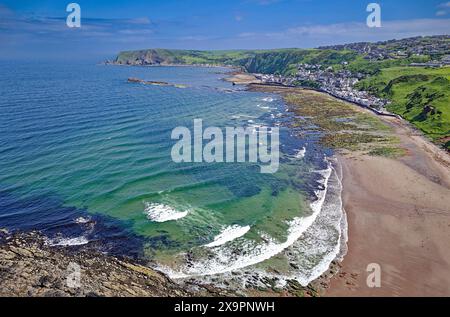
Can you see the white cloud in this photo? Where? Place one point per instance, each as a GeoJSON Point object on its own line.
{"type": "Point", "coordinates": [444, 9]}
{"type": "Point", "coordinates": [196, 38]}
{"type": "Point", "coordinates": [143, 21]}
{"type": "Point", "coordinates": [340, 33]}
{"type": "Point", "coordinates": [264, 2]}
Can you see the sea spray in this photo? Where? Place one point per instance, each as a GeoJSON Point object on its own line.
{"type": "Point", "coordinates": [301, 153]}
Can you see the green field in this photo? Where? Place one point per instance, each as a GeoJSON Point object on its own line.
{"type": "Point", "coordinates": [421, 95]}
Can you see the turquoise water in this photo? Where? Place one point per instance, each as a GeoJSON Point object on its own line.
{"type": "Point", "coordinates": [86, 158]}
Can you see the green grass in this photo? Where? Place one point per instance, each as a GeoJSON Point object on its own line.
{"type": "Point", "coordinates": [361, 65]}
{"type": "Point", "coordinates": [420, 95]}
{"type": "Point", "coordinates": [391, 152]}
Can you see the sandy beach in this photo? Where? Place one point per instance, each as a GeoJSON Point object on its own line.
{"type": "Point", "coordinates": [398, 212]}
{"type": "Point", "coordinates": [399, 217]}
{"type": "Point", "coordinates": [239, 78]}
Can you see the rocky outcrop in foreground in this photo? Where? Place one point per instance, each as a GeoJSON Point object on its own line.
{"type": "Point", "coordinates": [28, 267]}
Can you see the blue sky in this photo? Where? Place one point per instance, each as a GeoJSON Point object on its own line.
{"type": "Point", "coordinates": [37, 28]}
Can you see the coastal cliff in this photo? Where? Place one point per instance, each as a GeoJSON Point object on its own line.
{"type": "Point", "coordinates": [276, 61]}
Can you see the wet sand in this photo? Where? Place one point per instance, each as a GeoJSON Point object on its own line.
{"type": "Point", "coordinates": [399, 217]}
{"type": "Point", "coordinates": [239, 78]}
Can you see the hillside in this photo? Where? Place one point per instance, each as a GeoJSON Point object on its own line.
{"type": "Point", "coordinates": [366, 58]}
{"type": "Point", "coordinates": [279, 62]}
{"type": "Point", "coordinates": [421, 95]}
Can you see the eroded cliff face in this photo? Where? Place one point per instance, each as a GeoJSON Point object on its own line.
{"type": "Point", "coordinates": [147, 57]}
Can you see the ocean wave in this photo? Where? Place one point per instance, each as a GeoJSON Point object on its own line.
{"type": "Point", "coordinates": [328, 235]}
{"type": "Point", "coordinates": [241, 116]}
{"type": "Point", "coordinates": [322, 243]}
{"type": "Point", "coordinates": [163, 213]}
{"type": "Point", "coordinates": [301, 153]}
{"type": "Point", "coordinates": [228, 234]}
{"type": "Point", "coordinates": [324, 240]}
{"type": "Point", "coordinates": [82, 220]}
{"type": "Point", "coordinates": [64, 242]}
{"type": "Point", "coordinates": [228, 258]}
{"type": "Point", "coordinates": [268, 99]}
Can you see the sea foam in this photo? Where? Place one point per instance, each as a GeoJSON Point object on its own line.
{"type": "Point", "coordinates": [228, 234]}
{"type": "Point", "coordinates": [64, 242]}
{"type": "Point", "coordinates": [301, 153]}
{"type": "Point", "coordinates": [162, 213]}
{"type": "Point", "coordinates": [82, 220]}
{"type": "Point", "coordinates": [228, 258]}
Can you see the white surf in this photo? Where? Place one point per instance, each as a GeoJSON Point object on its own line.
{"type": "Point", "coordinates": [163, 213]}
{"type": "Point", "coordinates": [228, 234]}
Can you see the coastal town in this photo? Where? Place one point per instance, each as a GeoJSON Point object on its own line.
{"type": "Point", "coordinates": [340, 84]}
{"type": "Point", "coordinates": [435, 46]}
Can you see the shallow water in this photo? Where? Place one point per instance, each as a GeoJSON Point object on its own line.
{"type": "Point", "coordinates": [78, 140]}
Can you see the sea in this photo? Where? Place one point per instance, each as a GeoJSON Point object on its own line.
{"type": "Point", "coordinates": [86, 160]}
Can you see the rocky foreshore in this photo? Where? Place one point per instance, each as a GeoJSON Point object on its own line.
{"type": "Point", "coordinates": [153, 83]}
{"type": "Point", "coordinates": [29, 267]}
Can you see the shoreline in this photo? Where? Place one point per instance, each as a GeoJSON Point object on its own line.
{"type": "Point", "coordinates": [396, 211]}
{"type": "Point", "coordinates": [398, 216]}
{"type": "Point", "coordinates": [65, 253]}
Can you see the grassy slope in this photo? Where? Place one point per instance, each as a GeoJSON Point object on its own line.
{"type": "Point", "coordinates": [411, 90]}
{"type": "Point", "coordinates": [361, 65]}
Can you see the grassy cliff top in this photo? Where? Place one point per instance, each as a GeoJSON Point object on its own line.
{"type": "Point", "coordinates": [279, 61]}
{"type": "Point", "coordinates": [421, 95]}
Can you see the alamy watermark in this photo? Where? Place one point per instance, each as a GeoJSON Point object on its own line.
{"type": "Point", "coordinates": [233, 145]}
{"type": "Point", "coordinates": [374, 277]}
{"type": "Point", "coordinates": [74, 18]}
{"type": "Point", "coordinates": [374, 18]}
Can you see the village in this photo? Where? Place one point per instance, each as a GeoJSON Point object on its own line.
{"type": "Point", "coordinates": [435, 46]}
{"type": "Point", "coordinates": [339, 84]}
